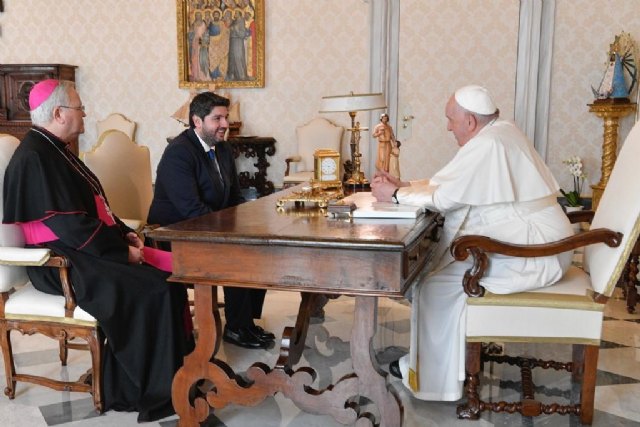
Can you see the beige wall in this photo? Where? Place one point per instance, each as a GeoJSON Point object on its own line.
{"type": "Point", "coordinates": [445, 44]}
{"type": "Point", "coordinates": [126, 53]}
{"type": "Point", "coordinates": [584, 30]}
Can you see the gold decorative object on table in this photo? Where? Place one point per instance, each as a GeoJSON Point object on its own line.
{"type": "Point", "coordinates": [353, 103]}
{"type": "Point", "coordinates": [612, 103]}
{"type": "Point", "coordinates": [311, 194]}
{"type": "Point", "coordinates": [325, 186]}
{"type": "Point", "coordinates": [326, 169]}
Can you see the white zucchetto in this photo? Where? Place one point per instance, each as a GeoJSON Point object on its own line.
{"type": "Point", "coordinates": [475, 99]}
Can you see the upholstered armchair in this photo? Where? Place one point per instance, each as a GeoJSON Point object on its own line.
{"type": "Point", "coordinates": [569, 312]}
{"type": "Point", "coordinates": [124, 169]}
{"type": "Point", "coordinates": [29, 311]}
{"type": "Point", "coordinates": [117, 121]}
{"type": "Point", "coordinates": [316, 134]}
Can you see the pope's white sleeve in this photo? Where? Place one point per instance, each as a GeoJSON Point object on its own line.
{"type": "Point", "coordinates": [420, 193]}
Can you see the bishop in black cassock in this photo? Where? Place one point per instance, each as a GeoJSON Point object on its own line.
{"type": "Point", "coordinates": [61, 205]}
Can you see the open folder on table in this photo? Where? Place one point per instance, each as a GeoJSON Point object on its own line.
{"type": "Point", "coordinates": [368, 207]}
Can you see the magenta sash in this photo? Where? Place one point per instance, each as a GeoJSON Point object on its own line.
{"type": "Point", "coordinates": [158, 258]}
{"type": "Point", "coordinates": [104, 213]}
{"type": "Point", "coordinates": [35, 232]}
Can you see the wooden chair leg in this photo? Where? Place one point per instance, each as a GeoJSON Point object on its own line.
{"type": "Point", "coordinates": [577, 372]}
{"type": "Point", "coordinates": [588, 390]}
{"type": "Point", "coordinates": [7, 354]}
{"type": "Point", "coordinates": [471, 409]}
{"type": "Point", "coordinates": [95, 347]}
{"type": "Point", "coordinates": [630, 278]}
{"type": "Point", "coordinates": [64, 351]}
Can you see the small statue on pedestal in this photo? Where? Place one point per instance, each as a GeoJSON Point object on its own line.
{"type": "Point", "coordinates": [621, 75]}
{"type": "Point", "coordinates": [386, 143]}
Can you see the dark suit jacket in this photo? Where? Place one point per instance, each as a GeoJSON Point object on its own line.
{"type": "Point", "coordinates": [187, 183]}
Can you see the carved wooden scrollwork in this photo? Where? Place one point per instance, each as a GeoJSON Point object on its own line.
{"type": "Point", "coordinates": [479, 246]}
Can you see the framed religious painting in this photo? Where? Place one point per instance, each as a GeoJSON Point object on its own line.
{"type": "Point", "coordinates": [220, 43]}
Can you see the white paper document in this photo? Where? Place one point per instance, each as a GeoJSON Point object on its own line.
{"type": "Point", "coordinates": [368, 207]}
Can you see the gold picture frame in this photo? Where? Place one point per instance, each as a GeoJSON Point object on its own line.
{"type": "Point", "coordinates": [221, 43]}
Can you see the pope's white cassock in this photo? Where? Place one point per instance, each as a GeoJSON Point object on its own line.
{"type": "Point", "coordinates": [496, 186]}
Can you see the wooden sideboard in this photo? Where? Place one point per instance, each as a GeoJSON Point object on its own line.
{"type": "Point", "coordinates": [16, 81]}
{"type": "Point", "coordinates": [258, 148]}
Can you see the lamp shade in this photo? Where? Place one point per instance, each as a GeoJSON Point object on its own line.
{"type": "Point", "coordinates": [353, 102]}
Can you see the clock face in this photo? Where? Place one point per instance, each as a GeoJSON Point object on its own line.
{"type": "Point", "coordinates": [328, 169]}
{"type": "Point", "coordinates": [328, 166]}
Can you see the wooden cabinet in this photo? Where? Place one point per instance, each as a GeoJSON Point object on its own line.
{"type": "Point", "coordinates": [16, 81]}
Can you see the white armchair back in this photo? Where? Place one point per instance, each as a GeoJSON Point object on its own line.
{"type": "Point", "coordinates": [319, 133]}
{"type": "Point", "coordinates": [10, 235]}
{"type": "Point", "coordinates": [124, 169]}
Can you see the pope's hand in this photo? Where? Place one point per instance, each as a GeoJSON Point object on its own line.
{"type": "Point", "coordinates": [382, 190]}
{"type": "Point", "coordinates": [386, 176]}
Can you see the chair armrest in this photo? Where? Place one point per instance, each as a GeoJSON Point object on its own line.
{"type": "Point", "coordinates": [148, 240]}
{"type": "Point", "coordinates": [24, 256]}
{"type": "Point", "coordinates": [62, 264]}
{"type": "Point", "coordinates": [479, 246]}
{"type": "Point", "coordinates": [42, 257]}
{"type": "Point", "coordinates": [136, 225]}
{"type": "Point", "coordinates": [289, 160]}
{"type": "Point", "coordinates": [580, 216]}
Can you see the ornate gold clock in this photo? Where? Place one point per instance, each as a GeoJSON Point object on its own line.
{"type": "Point", "coordinates": [325, 187]}
{"type": "Point", "coordinates": [326, 171]}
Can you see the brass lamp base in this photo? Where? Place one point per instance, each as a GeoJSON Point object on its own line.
{"type": "Point", "coordinates": [357, 180]}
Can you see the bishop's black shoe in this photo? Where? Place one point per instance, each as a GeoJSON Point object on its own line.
{"type": "Point", "coordinates": [394, 369]}
{"type": "Point", "coordinates": [244, 337]}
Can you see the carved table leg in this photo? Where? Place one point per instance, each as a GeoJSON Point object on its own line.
{"type": "Point", "coordinates": [373, 381]}
{"type": "Point", "coordinates": [341, 400]}
{"type": "Point", "coordinates": [293, 339]}
{"type": "Point", "coordinates": [201, 370]}
{"type": "Point", "coordinates": [195, 367]}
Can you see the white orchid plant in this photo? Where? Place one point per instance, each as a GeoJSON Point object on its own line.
{"type": "Point", "coordinates": [577, 172]}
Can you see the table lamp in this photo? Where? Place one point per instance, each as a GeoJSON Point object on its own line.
{"type": "Point", "coordinates": [352, 103]}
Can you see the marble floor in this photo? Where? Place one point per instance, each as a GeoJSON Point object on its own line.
{"type": "Point", "coordinates": [617, 392]}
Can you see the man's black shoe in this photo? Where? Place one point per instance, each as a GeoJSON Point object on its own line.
{"type": "Point", "coordinates": [262, 334]}
{"type": "Point", "coordinates": [394, 369]}
{"type": "Point", "coordinates": [243, 337]}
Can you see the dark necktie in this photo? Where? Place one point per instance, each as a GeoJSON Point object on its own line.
{"type": "Point", "coordinates": [212, 156]}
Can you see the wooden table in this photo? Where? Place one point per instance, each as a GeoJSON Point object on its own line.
{"type": "Point", "coordinates": [298, 250]}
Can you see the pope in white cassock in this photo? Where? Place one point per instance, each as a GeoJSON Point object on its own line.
{"type": "Point", "coordinates": [496, 186]}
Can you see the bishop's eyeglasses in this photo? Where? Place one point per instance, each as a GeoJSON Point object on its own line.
{"type": "Point", "coordinates": [80, 108]}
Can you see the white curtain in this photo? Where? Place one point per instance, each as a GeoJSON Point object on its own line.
{"type": "Point", "coordinates": [384, 61]}
{"type": "Point", "coordinates": [533, 73]}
